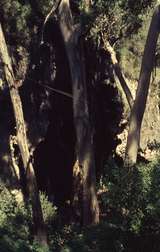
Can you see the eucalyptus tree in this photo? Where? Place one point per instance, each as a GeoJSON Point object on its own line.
{"type": "Point", "coordinates": [139, 105]}
{"type": "Point", "coordinates": [21, 140]}
{"type": "Point", "coordinates": [86, 26]}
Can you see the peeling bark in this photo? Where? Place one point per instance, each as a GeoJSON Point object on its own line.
{"type": "Point", "coordinates": [21, 138]}
{"type": "Point", "coordinates": [139, 105]}
{"type": "Point", "coordinates": [84, 131]}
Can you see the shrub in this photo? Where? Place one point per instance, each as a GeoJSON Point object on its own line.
{"type": "Point", "coordinates": [15, 221]}
{"type": "Point", "coordinates": [133, 196]}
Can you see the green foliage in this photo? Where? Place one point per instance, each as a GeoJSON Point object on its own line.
{"type": "Point", "coordinates": [15, 19]}
{"type": "Point", "coordinates": [15, 221]}
{"type": "Point", "coordinates": [129, 199]}
{"type": "Point", "coordinates": [103, 237]}
{"type": "Point", "coordinates": [131, 49]}
{"type": "Point", "coordinates": [45, 6]}
{"type": "Point", "coordinates": [116, 19]}
{"type": "Point", "coordinates": [132, 195]}
{"type": "Point", "coordinates": [36, 247]}
{"type": "Point", "coordinates": [49, 211]}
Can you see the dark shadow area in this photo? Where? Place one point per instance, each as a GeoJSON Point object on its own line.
{"type": "Point", "coordinates": [49, 115]}
{"type": "Point", "coordinates": [6, 129]}
{"type": "Point", "coordinates": [55, 156]}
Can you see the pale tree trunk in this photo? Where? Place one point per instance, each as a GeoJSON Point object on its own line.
{"type": "Point", "coordinates": [21, 138]}
{"type": "Point", "coordinates": [138, 109]}
{"type": "Point", "coordinates": [118, 71]}
{"type": "Point", "coordinates": [84, 131]}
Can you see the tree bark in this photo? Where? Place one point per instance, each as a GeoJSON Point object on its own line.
{"type": "Point", "coordinates": [84, 131]}
{"type": "Point", "coordinates": [139, 105]}
{"type": "Point", "coordinates": [21, 137]}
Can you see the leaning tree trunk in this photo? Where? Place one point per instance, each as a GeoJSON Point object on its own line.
{"type": "Point", "coordinates": [108, 48]}
{"type": "Point", "coordinates": [21, 137]}
{"type": "Point", "coordinates": [139, 105]}
{"type": "Point", "coordinates": [84, 131]}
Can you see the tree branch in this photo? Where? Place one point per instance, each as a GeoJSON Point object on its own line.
{"type": "Point", "coordinates": [54, 8]}
{"type": "Point", "coordinates": [118, 71]}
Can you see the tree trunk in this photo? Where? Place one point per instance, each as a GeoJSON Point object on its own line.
{"type": "Point", "coordinates": [118, 72]}
{"type": "Point", "coordinates": [139, 105]}
{"type": "Point", "coordinates": [21, 137]}
{"type": "Point", "coordinates": [84, 131]}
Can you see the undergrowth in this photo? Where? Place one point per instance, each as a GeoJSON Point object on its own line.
{"type": "Point", "coordinates": [130, 216]}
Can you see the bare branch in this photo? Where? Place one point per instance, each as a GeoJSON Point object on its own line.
{"type": "Point", "coordinates": [54, 8]}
